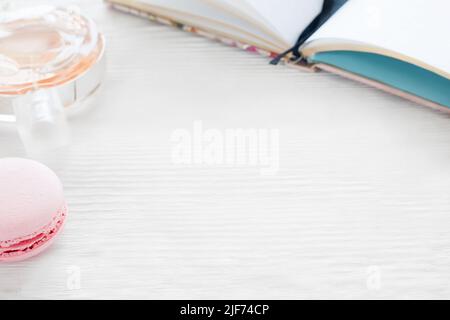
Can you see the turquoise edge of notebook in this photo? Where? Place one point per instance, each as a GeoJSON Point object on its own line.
{"type": "Point", "coordinates": [396, 73]}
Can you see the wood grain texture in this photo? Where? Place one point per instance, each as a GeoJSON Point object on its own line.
{"type": "Point", "coordinates": [362, 193]}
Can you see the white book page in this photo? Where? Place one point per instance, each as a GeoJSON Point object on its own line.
{"type": "Point", "coordinates": [203, 8]}
{"type": "Point", "coordinates": [242, 6]}
{"type": "Point", "coordinates": [246, 12]}
{"type": "Point", "coordinates": [277, 22]}
{"type": "Point", "coordinates": [288, 17]}
{"type": "Point", "coordinates": [418, 29]}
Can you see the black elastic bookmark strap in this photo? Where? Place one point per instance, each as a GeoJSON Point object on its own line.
{"type": "Point", "coordinates": [329, 8]}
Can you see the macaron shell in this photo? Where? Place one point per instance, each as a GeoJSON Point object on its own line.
{"type": "Point", "coordinates": [38, 249]}
{"type": "Point", "coordinates": [30, 196]}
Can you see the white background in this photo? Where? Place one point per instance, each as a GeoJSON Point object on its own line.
{"type": "Point", "coordinates": [360, 207]}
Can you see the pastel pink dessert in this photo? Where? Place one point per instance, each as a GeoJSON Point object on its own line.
{"type": "Point", "coordinates": [32, 208]}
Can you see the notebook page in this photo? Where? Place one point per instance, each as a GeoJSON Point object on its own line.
{"type": "Point", "coordinates": [247, 12]}
{"type": "Point", "coordinates": [288, 17]}
{"type": "Point", "coordinates": [242, 6]}
{"type": "Point", "coordinates": [244, 9]}
{"type": "Point", "coordinates": [418, 29]}
{"type": "Point", "coordinates": [204, 9]}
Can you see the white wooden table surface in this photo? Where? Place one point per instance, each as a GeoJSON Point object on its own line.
{"type": "Point", "coordinates": [359, 208]}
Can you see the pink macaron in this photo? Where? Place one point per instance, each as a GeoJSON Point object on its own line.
{"type": "Point", "coordinates": [32, 208]}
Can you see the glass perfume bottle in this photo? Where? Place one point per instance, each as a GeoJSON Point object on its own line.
{"type": "Point", "coordinates": [51, 60]}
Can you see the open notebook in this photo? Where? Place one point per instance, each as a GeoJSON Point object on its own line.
{"type": "Point", "coordinates": [398, 46]}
